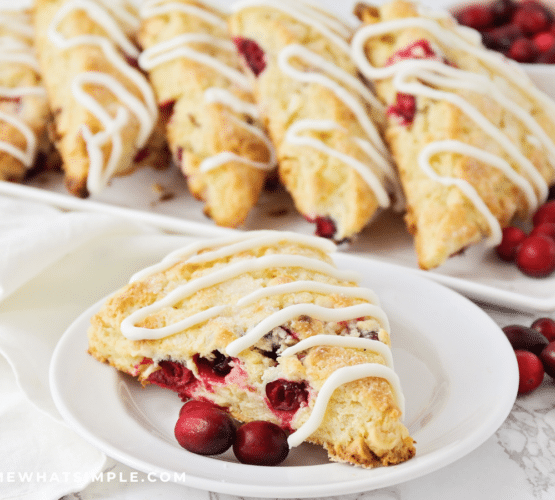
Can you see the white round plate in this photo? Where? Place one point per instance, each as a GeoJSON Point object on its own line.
{"type": "Point", "coordinates": [458, 372]}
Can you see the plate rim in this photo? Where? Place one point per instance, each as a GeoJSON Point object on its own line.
{"type": "Point", "coordinates": [418, 466]}
{"type": "Point", "coordinates": [487, 293]}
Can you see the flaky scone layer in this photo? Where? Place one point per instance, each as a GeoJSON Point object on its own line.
{"type": "Point", "coordinates": [442, 217]}
{"type": "Point", "coordinates": [361, 424]}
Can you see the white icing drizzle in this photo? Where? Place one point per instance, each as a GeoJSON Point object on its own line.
{"type": "Point", "coordinates": [105, 13]}
{"type": "Point", "coordinates": [314, 311]}
{"type": "Point", "coordinates": [309, 286]}
{"type": "Point", "coordinates": [328, 74]}
{"type": "Point", "coordinates": [338, 378]}
{"type": "Point", "coordinates": [418, 76]}
{"type": "Point", "coordinates": [132, 332]}
{"type": "Point", "coordinates": [227, 245]}
{"type": "Point", "coordinates": [341, 341]}
{"type": "Point", "coordinates": [16, 51]}
{"type": "Point", "coordinates": [179, 47]}
{"type": "Point", "coordinates": [230, 245]}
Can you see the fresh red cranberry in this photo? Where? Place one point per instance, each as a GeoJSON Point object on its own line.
{"type": "Point", "coordinates": [219, 364]}
{"type": "Point", "coordinates": [261, 443]}
{"type": "Point", "coordinates": [501, 38]}
{"type": "Point", "coordinates": [544, 41]}
{"type": "Point", "coordinates": [512, 237]}
{"type": "Point", "coordinates": [502, 11]}
{"type": "Point", "coordinates": [252, 53]}
{"type": "Point", "coordinates": [546, 326]}
{"type": "Point", "coordinates": [166, 110]}
{"type": "Point", "coordinates": [536, 256]}
{"type": "Point", "coordinates": [523, 50]}
{"type": "Point", "coordinates": [205, 431]}
{"type": "Point", "coordinates": [285, 395]}
{"type": "Point", "coordinates": [530, 371]}
{"type": "Point", "coordinates": [404, 108]}
{"type": "Point", "coordinates": [172, 375]}
{"type": "Point", "coordinates": [525, 339]}
{"type": "Point", "coordinates": [548, 57]}
{"type": "Point", "coordinates": [545, 228]}
{"type": "Point", "coordinates": [476, 16]}
{"type": "Point", "coordinates": [195, 404]}
{"type": "Point", "coordinates": [546, 213]}
{"type": "Point", "coordinates": [419, 49]}
{"type": "Point", "coordinates": [547, 357]}
{"type": "Point", "coordinates": [531, 18]}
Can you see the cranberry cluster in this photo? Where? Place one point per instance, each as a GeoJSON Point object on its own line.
{"type": "Point", "coordinates": [523, 31]}
{"type": "Point", "coordinates": [534, 253]}
{"type": "Point", "coordinates": [535, 352]}
{"type": "Point", "coordinates": [206, 429]}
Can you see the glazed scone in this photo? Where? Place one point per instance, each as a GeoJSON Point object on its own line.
{"type": "Point", "coordinates": [324, 121]}
{"type": "Point", "coordinates": [211, 119]}
{"type": "Point", "coordinates": [265, 326]}
{"type": "Point", "coordinates": [470, 133]}
{"type": "Point", "coordinates": [24, 111]}
{"type": "Point", "coordinates": [106, 118]}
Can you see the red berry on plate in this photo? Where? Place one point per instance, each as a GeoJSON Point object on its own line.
{"type": "Point", "coordinates": [476, 16]}
{"type": "Point", "coordinates": [531, 18]}
{"type": "Point", "coordinates": [546, 213]}
{"type": "Point", "coordinates": [284, 395]}
{"type": "Point", "coordinates": [548, 57]}
{"type": "Point", "coordinates": [261, 443]}
{"type": "Point", "coordinates": [535, 256]}
{"type": "Point", "coordinates": [546, 326]}
{"type": "Point", "coordinates": [544, 41]}
{"type": "Point", "coordinates": [523, 50]}
{"type": "Point", "coordinates": [205, 431]}
{"type": "Point", "coordinates": [501, 38]}
{"type": "Point", "coordinates": [530, 371]}
{"type": "Point", "coordinates": [545, 228]}
{"type": "Point", "coordinates": [547, 357]}
{"type": "Point", "coordinates": [502, 11]}
{"type": "Point", "coordinates": [525, 339]}
{"type": "Point", "coordinates": [195, 404]}
{"type": "Point", "coordinates": [512, 237]}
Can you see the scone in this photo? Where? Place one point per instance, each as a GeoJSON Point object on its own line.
{"type": "Point", "coordinates": [471, 135]}
{"type": "Point", "coordinates": [322, 118]}
{"type": "Point", "coordinates": [106, 118]}
{"type": "Point", "coordinates": [24, 111]}
{"type": "Point", "coordinates": [264, 325]}
{"type": "Point", "coordinates": [211, 120]}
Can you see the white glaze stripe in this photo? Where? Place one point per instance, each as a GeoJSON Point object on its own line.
{"type": "Point", "coordinates": [309, 286]}
{"type": "Point", "coordinates": [341, 341]}
{"type": "Point", "coordinates": [238, 242]}
{"type": "Point", "coordinates": [15, 51]}
{"type": "Point", "coordinates": [314, 311]}
{"type": "Point", "coordinates": [179, 47]}
{"type": "Point", "coordinates": [407, 75]}
{"type": "Point", "coordinates": [338, 378]}
{"type": "Point", "coordinates": [146, 111]}
{"type": "Point", "coordinates": [129, 330]}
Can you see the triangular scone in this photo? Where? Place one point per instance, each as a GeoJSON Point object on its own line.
{"type": "Point", "coordinates": [211, 120]}
{"type": "Point", "coordinates": [321, 117]}
{"type": "Point", "coordinates": [264, 325]}
{"type": "Point", "coordinates": [105, 113]}
{"type": "Point", "coordinates": [470, 133]}
{"type": "Point", "coordinates": [24, 111]}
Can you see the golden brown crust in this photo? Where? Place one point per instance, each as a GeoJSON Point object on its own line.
{"type": "Point", "coordinates": [199, 129]}
{"type": "Point", "coordinates": [60, 68]}
{"type": "Point", "coordinates": [441, 218]}
{"type": "Point", "coordinates": [362, 422]}
{"type": "Point", "coordinates": [322, 185]}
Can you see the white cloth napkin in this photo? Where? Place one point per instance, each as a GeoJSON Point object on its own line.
{"type": "Point", "coordinates": [53, 265]}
